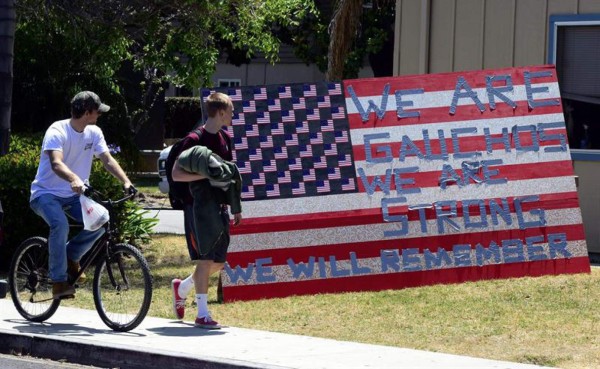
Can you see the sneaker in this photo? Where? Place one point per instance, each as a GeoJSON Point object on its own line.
{"type": "Point", "coordinates": [178, 301]}
{"type": "Point", "coordinates": [206, 323]}
{"type": "Point", "coordinates": [73, 268]}
{"type": "Point", "coordinates": [62, 290]}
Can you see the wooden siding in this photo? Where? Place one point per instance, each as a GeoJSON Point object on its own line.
{"type": "Point", "coordinates": [436, 36]}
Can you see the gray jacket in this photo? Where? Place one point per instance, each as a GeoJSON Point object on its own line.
{"type": "Point", "coordinates": [223, 186]}
{"type": "Point", "coordinates": [225, 177]}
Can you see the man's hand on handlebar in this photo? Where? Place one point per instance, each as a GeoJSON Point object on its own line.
{"type": "Point", "coordinates": [130, 190]}
{"type": "Point", "coordinates": [77, 186]}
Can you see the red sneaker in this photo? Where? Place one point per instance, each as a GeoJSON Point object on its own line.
{"type": "Point", "coordinates": [206, 323]}
{"type": "Point", "coordinates": [178, 301]}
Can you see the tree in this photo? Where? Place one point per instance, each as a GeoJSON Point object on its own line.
{"type": "Point", "coordinates": [339, 37]}
{"type": "Point", "coordinates": [357, 28]}
{"type": "Point", "coordinates": [134, 47]}
{"type": "Point", "coordinates": [7, 32]}
{"type": "Point", "coordinates": [181, 38]}
{"type": "Point", "coordinates": [343, 28]}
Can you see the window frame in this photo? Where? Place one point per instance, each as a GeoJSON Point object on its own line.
{"type": "Point", "coordinates": [571, 20]}
{"type": "Point", "coordinates": [563, 20]}
{"type": "Point", "coordinates": [237, 82]}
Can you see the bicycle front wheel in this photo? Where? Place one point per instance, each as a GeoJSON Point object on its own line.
{"type": "Point", "coordinates": [122, 288]}
{"type": "Point", "coordinates": [30, 286]}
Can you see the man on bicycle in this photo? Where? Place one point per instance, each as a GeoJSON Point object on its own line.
{"type": "Point", "coordinates": [68, 149]}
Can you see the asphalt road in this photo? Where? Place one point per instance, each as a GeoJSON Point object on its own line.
{"type": "Point", "coordinates": [169, 220]}
{"type": "Point", "coordinates": [27, 362]}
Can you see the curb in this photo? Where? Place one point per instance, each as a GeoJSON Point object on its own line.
{"type": "Point", "coordinates": [3, 288]}
{"type": "Point", "coordinates": [73, 351]}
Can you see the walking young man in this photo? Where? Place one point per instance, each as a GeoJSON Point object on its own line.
{"type": "Point", "coordinates": [68, 149]}
{"type": "Point", "coordinates": [209, 259]}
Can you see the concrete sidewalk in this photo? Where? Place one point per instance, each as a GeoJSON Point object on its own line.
{"type": "Point", "coordinates": [79, 336]}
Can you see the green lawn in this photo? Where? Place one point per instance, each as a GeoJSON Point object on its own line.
{"type": "Point", "coordinates": [147, 185]}
{"type": "Point", "coordinates": [552, 320]}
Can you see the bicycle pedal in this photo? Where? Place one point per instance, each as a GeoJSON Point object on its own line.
{"type": "Point", "coordinates": [67, 297]}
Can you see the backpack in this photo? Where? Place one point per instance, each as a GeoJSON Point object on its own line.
{"type": "Point", "coordinates": [180, 191]}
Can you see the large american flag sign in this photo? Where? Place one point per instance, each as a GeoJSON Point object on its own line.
{"type": "Point", "coordinates": [389, 183]}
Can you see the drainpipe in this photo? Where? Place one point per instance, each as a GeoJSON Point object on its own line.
{"type": "Point", "coordinates": [397, 48]}
{"type": "Point", "coordinates": [424, 36]}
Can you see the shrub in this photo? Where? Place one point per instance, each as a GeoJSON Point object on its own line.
{"type": "Point", "coordinates": [17, 170]}
{"type": "Point", "coordinates": [137, 228]}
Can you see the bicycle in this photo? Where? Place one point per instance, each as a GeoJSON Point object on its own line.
{"type": "Point", "coordinates": [122, 284]}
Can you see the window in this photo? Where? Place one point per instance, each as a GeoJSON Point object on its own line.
{"type": "Point", "coordinates": [573, 48]}
{"type": "Point", "coordinates": [234, 82]}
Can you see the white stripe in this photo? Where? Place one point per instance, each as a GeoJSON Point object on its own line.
{"type": "Point", "coordinates": [437, 99]}
{"type": "Point", "coordinates": [357, 201]}
{"type": "Point", "coordinates": [283, 273]}
{"type": "Point", "coordinates": [375, 232]}
{"type": "Point", "coordinates": [511, 158]}
{"type": "Point", "coordinates": [415, 131]}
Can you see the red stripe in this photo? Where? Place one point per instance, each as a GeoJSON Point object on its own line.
{"type": "Point", "coordinates": [380, 282]}
{"type": "Point", "coordinates": [512, 172]}
{"type": "Point", "coordinates": [466, 143]}
{"type": "Point", "coordinates": [441, 115]}
{"type": "Point", "coordinates": [347, 218]}
{"type": "Point", "coordinates": [372, 249]}
{"type": "Point", "coordinates": [444, 81]}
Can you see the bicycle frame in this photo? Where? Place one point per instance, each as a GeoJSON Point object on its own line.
{"type": "Point", "coordinates": [104, 242]}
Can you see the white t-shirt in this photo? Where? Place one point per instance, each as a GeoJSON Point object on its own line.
{"type": "Point", "coordinates": [78, 152]}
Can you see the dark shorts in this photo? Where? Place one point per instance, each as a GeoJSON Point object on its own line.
{"type": "Point", "coordinates": [219, 253]}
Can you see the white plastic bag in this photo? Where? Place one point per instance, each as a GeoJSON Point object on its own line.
{"type": "Point", "coordinates": [94, 214]}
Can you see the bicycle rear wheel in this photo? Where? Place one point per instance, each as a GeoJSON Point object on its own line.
{"type": "Point", "coordinates": [122, 288]}
{"type": "Point", "coordinates": [30, 286]}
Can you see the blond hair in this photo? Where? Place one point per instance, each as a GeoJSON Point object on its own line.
{"type": "Point", "coordinates": [217, 101]}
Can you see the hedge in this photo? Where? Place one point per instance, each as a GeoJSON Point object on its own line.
{"type": "Point", "coordinates": [182, 114]}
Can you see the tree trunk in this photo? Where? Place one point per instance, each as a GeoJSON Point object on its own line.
{"type": "Point", "coordinates": [342, 29]}
{"type": "Point", "coordinates": [7, 38]}
{"type": "Point", "coordinates": [150, 127]}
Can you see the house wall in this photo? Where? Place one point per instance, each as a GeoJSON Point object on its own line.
{"type": "Point", "coordinates": [289, 69]}
{"type": "Point", "coordinates": [266, 74]}
{"type": "Point", "coordinates": [436, 36]}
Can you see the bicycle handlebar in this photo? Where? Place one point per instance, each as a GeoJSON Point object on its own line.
{"type": "Point", "coordinates": [91, 192]}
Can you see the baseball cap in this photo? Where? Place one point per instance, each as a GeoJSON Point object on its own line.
{"type": "Point", "coordinates": [87, 100]}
